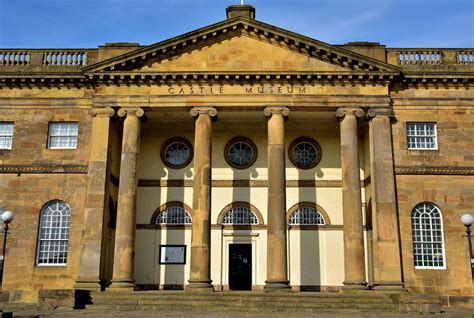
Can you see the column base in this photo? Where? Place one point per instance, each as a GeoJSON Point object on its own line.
{"type": "Point", "coordinates": [351, 286]}
{"type": "Point", "coordinates": [277, 286]}
{"type": "Point", "coordinates": [389, 287]}
{"type": "Point", "coordinates": [199, 286]}
{"type": "Point", "coordinates": [84, 284]}
{"type": "Point", "coordinates": [120, 285]}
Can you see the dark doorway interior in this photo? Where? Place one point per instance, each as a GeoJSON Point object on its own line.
{"type": "Point", "coordinates": [240, 266]}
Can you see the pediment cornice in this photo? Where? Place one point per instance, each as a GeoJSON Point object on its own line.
{"type": "Point", "coordinates": [350, 61]}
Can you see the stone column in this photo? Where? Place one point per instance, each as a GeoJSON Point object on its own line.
{"type": "Point", "coordinates": [126, 206]}
{"type": "Point", "coordinates": [354, 259]}
{"type": "Point", "coordinates": [277, 276]}
{"type": "Point", "coordinates": [91, 253]}
{"type": "Point", "coordinates": [386, 241]}
{"type": "Point", "coordinates": [200, 278]}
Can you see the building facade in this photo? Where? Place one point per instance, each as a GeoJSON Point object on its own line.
{"type": "Point", "coordinates": [237, 156]}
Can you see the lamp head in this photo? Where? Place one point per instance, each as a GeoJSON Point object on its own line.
{"type": "Point", "coordinates": [7, 217]}
{"type": "Point", "coordinates": [467, 219]}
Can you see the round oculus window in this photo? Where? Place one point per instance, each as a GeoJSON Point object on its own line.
{"type": "Point", "coordinates": [305, 153]}
{"type": "Point", "coordinates": [177, 153]}
{"type": "Point", "coordinates": [240, 152]}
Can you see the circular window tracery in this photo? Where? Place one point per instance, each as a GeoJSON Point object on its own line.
{"type": "Point", "coordinates": [240, 152]}
{"type": "Point", "coordinates": [177, 153]}
{"type": "Point", "coordinates": [305, 153]}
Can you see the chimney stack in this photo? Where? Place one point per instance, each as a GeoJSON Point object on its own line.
{"type": "Point", "coordinates": [245, 11]}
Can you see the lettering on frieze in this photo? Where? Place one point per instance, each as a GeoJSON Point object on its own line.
{"type": "Point", "coordinates": [246, 90]}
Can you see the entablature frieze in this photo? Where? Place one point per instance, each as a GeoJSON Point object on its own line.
{"type": "Point", "coordinates": [245, 102]}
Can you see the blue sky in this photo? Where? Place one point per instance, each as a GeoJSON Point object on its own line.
{"type": "Point", "coordinates": [89, 23]}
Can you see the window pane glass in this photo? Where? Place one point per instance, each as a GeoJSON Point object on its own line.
{"type": "Point", "coordinates": [421, 136]}
{"type": "Point", "coordinates": [428, 238]}
{"type": "Point", "coordinates": [54, 234]}
{"type": "Point", "coordinates": [63, 135]}
{"type": "Point", "coordinates": [306, 216]}
{"type": "Point", "coordinates": [6, 135]}
{"type": "Point", "coordinates": [174, 215]}
{"type": "Point", "coordinates": [240, 216]}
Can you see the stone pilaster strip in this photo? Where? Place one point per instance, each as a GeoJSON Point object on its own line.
{"type": "Point", "coordinates": [386, 242]}
{"type": "Point", "coordinates": [89, 272]}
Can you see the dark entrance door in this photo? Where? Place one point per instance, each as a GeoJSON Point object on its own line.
{"type": "Point", "coordinates": [240, 266]}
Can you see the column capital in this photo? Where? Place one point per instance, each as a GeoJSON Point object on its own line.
{"type": "Point", "coordinates": [280, 110]}
{"type": "Point", "coordinates": [380, 112]}
{"type": "Point", "coordinates": [102, 112]}
{"type": "Point", "coordinates": [346, 111]}
{"type": "Point", "coordinates": [196, 111]}
{"type": "Point", "coordinates": [136, 111]}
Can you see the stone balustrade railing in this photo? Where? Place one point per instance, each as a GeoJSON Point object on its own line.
{"type": "Point", "coordinates": [14, 58]}
{"type": "Point", "coordinates": [74, 58]}
{"type": "Point", "coordinates": [426, 57]}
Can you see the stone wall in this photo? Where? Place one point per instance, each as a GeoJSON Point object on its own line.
{"type": "Point", "coordinates": [443, 177]}
{"type": "Point", "coordinates": [41, 175]}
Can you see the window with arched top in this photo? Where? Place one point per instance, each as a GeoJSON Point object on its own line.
{"type": "Point", "coordinates": [307, 213]}
{"type": "Point", "coordinates": [306, 216]}
{"type": "Point", "coordinates": [428, 237]}
{"type": "Point", "coordinates": [174, 214]}
{"type": "Point", "coordinates": [240, 213]}
{"type": "Point", "coordinates": [53, 236]}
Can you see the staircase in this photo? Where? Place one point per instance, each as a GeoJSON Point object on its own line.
{"type": "Point", "coordinates": [240, 302]}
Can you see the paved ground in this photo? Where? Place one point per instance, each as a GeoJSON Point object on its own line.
{"type": "Point", "coordinates": [29, 312]}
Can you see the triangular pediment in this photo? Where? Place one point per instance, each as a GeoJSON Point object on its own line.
{"type": "Point", "coordinates": [241, 45]}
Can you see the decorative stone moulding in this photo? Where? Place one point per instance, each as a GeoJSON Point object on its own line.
{"type": "Point", "coordinates": [269, 111]}
{"type": "Point", "coordinates": [196, 111]}
{"type": "Point", "coordinates": [374, 112]}
{"type": "Point", "coordinates": [98, 112]}
{"type": "Point", "coordinates": [424, 170]}
{"type": "Point", "coordinates": [307, 148]}
{"type": "Point", "coordinates": [19, 169]}
{"type": "Point", "coordinates": [344, 111]}
{"type": "Point", "coordinates": [177, 144]}
{"type": "Point", "coordinates": [125, 111]}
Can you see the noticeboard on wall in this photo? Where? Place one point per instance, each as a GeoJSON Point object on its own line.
{"type": "Point", "coordinates": [172, 254]}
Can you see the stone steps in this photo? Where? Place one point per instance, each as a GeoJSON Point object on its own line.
{"type": "Point", "coordinates": [240, 302]}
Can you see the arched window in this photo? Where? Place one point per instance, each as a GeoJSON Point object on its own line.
{"type": "Point", "coordinates": [428, 238]}
{"type": "Point", "coordinates": [240, 215]}
{"type": "Point", "coordinates": [306, 215]}
{"type": "Point", "coordinates": [53, 235]}
{"type": "Point", "coordinates": [174, 214]}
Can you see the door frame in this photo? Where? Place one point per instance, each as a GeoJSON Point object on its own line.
{"type": "Point", "coordinates": [239, 238]}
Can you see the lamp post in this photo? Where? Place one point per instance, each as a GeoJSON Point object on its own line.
{"type": "Point", "coordinates": [7, 217]}
{"type": "Point", "coordinates": [467, 219]}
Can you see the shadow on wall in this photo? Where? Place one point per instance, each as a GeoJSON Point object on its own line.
{"type": "Point", "coordinates": [309, 240]}
{"type": "Point", "coordinates": [174, 275]}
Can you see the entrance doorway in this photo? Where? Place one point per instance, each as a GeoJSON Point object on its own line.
{"type": "Point", "coordinates": [240, 266]}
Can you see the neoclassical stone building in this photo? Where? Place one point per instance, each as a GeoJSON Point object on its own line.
{"type": "Point", "coordinates": [237, 156]}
